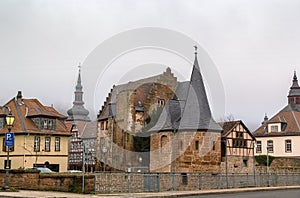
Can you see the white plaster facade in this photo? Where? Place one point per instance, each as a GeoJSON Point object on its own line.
{"type": "Point", "coordinates": [279, 146]}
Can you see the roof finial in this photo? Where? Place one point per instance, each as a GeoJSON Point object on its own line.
{"type": "Point", "coordinates": [195, 46]}
{"type": "Point", "coordinates": [295, 76]}
{"type": "Point", "coordinates": [79, 66]}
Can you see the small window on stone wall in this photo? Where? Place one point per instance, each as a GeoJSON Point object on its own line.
{"type": "Point", "coordinates": [214, 146]}
{"type": "Point", "coordinates": [184, 179]}
{"type": "Point", "coordinates": [164, 140]}
{"type": "Point", "coordinates": [180, 145]}
{"type": "Point", "coordinates": [196, 145]}
{"type": "Point", "coordinates": [106, 125]}
{"type": "Point", "coordinates": [245, 162]}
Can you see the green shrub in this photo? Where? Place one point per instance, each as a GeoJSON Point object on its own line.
{"type": "Point", "coordinates": [262, 160]}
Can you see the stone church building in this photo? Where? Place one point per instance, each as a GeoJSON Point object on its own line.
{"type": "Point", "coordinates": [159, 124]}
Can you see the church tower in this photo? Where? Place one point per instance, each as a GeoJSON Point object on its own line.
{"type": "Point", "coordinates": [294, 93]}
{"type": "Point", "coordinates": [78, 112]}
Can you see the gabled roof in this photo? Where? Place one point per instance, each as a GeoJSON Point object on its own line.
{"type": "Point", "coordinates": [35, 108]}
{"type": "Point", "coordinates": [86, 130]}
{"type": "Point", "coordinates": [230, 125]}
{"type": "Point", "coordinates": [288, 116]}
{"type": "Point", "coordinates": [56, 113]}
{"type": "Point", "coordinates": [24, 109]}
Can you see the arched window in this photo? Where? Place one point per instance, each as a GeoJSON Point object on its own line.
{"type": "Point", "coordinates": [163, 140]}
{"type": "Point", "coordinates": [180, 145]}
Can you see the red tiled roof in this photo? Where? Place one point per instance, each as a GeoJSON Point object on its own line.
{"type": "Point", "coordinates": [27, 108]}
{"type": "Point", "coordinates": [290, 117]}
{"type": "Point", "coordinates": [229, 126]}
{"type": "Point", "coordinates": [56, 113]}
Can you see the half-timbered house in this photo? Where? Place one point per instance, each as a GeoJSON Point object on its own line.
{"type": "Point", "coordinates": [237, 147]}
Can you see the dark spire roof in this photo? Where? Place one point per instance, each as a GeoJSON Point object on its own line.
{"type": "Point", "coordinates": [294, 93]}
{"type": "Point", "coordinates": [295, 81]}
{"type": "Point", "coordinates": [78, 112]}
{"type": "Point", "coordinates": [265, 119]}
{"type": "Point", "coordinates": [195, 111]}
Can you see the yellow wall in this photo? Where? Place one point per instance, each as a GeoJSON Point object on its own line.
{"type": "Point", "coordinates": [24, 155]}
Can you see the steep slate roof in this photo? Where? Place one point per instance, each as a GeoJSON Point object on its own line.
{"type": "Point", "coordinates": [89, 131]}
{"type": "Point", "coordinates": [192, 111]}
{"type": "Point", "coordinates": [24, 109]}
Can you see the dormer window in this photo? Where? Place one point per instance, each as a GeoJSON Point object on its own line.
{"type": "Point", "coordinates": [45, 124]}
{"type": "Point", "coordinates": [274, 127]}
{"type": "Point", "coordinates": [50, 124]}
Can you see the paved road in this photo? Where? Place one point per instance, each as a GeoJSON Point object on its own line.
{"type": "Point", "coordinates": [292, 193]}
{"type": "Point", "coordinates": [264, 192]}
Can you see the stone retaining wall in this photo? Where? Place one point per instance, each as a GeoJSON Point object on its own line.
{"type": "Point", "coordinates": [34, 180]}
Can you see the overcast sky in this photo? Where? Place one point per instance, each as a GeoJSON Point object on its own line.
{"type": "Point", "coordinates": [254, 44]}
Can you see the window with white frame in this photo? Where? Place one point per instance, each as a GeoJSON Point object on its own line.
{"type": "Point", "coordinates": [288, 146]}
{"type": "Point", "coordinates": [57, 144]}
{"type": "Point", "coordinates": [258, 147]}
{"type": "Point", "coordinates": [270, 146]}
{"type": "Point", "coordinates": [274, 127]}
{"type": "Point", "coordinates": [36, 145]}
{"type": "Point", "coordinates": [47, 144]}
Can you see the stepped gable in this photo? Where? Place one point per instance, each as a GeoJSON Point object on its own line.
{"type": "Point", "coordinates": [141, 89]}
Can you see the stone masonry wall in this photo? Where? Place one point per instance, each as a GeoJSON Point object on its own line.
{"type": "Point", "coordinates": [33, 180]}
{"type": "Point", "coordinates": [180, 153]}
{"type": "Point", "coordinates": [236, 164]}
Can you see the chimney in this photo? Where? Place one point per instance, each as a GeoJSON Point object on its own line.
{"type": "Point", "coordinates": [19, 96]}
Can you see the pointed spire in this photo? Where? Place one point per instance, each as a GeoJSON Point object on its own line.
{"type": "Point", "coordinates": [78, 112]}
{"type": "Point", "coordinates": [295, 80]}
{"type": "Point", "coordinates": [294, 93]}
{"type": "Point", "coordinates": [79, 86]}
{"type": "Point", "coordinates": [196, 74]}
{"type": "Point", "coordinates": [197, 114]}
{"type": "Point", "coordinates": [265, 119]}
{"type": "Point", "coordinates": [195, 46]}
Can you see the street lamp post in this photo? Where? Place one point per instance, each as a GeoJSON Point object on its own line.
{"type": "Point", "coordinates": [9, 122]}
{"type": "Point", "coordinates": [268, 165]}
{"type": "Point", "coordinates": [104, 150]}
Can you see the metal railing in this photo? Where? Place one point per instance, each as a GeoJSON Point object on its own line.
{"type": "Point", "coordinates": [106, 182]}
